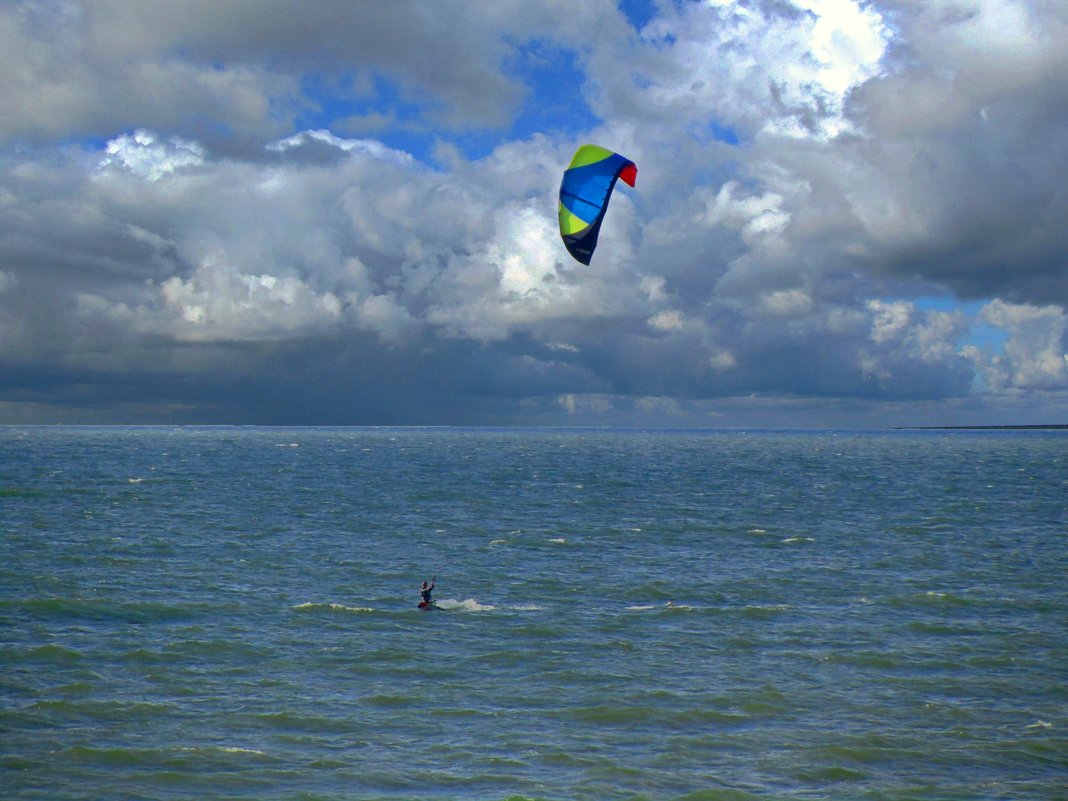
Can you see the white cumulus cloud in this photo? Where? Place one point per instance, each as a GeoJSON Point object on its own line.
{"type": "Point", "coordinates": [1035, 354]}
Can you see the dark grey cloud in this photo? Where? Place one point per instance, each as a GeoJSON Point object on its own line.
{"type": "Point", "coordinates": [239, 72]}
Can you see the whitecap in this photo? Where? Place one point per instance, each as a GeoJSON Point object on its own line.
{"type": "Point", "coordinates": [312, 606]}
{"type": "Point", "coordinates": [468, 605]}
{"type": "Point", "coordinates": [649, 607]}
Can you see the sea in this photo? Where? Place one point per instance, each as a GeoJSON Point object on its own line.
{"type": "Point", "coordinates": [624, 615]}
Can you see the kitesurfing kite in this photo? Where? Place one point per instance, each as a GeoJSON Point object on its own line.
{"type": "Point", "coordinates": [584, 193]}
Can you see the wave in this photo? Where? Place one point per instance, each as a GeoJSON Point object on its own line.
{"type": "Point", "coordinates": [21, 492]}
{"type": "Point", "coordinates": [313, 606]}
{"type": "Point", "coordinates": [309, 724]}
{"type": "Point", "coordinates": [90, 709]}
{"type": "Point", "coordinates": [467, 605]}
{"type": "Point", "coordinates": [51, 653]}
{"type": "Point", "coordinates": [208, 648]}
{"type": "Point", "coordinates": [387, 701]}
{"type": "Point", "coordinates": [668, 718]}
{"type": "Point", "coordinates": [721, 795]}
{"type": "Point", "coordinates": [668, 606]}
{"type": "Point", "coordinates": [936, 599]}
{"type": "Point", "coordinates": [99, 609]}
{"type": "Point", "coordinates": [857, 658]}
{"type": "Point", "coordinates": [229, 749]}
{"type": "Point", "coordinates": [172, 757]}
{"type": "Point", "coordinates": [830, 773]}
{"type": "Point", "coordinates": [764, 611]}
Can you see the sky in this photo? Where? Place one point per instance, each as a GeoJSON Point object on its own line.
{"type": "Point", "coordinates": [847, 214]}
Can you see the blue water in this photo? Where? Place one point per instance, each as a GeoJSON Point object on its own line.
{"type": "Point", "coordinates": [229, 613]}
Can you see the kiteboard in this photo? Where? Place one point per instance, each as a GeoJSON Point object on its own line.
{"type": "Point", "coordinates": [427, 607]}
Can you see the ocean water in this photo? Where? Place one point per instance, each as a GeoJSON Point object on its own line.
{"type": "Point", "coordinates": [230, 613]}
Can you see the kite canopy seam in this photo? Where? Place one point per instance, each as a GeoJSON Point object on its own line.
{"type": "Point", "coordinates": [584, 194]}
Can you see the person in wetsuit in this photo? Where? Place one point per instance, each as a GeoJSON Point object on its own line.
{"type": "Point", "coordinates": [424, 592]}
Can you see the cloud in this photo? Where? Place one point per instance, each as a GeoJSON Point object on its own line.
{"type": "Point", "coordinates": [180, 206]}
{"type": "Point", "coordinates": [1036, 353]}
{"type": "Point", "coordinates": [143, 154]}
{"type": "Point", "coordinates": [196, 67]}
{"type": "Point", "coordinates": [772, 68]}
{"type": "Point", "coordinates": [958, 178]}
{"type": "Point", "coordinates": [81, 69]}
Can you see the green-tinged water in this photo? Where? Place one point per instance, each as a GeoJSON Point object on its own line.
{"type": "Point", "coordinates": [708, 616]}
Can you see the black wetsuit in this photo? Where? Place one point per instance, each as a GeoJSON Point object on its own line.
{"type": "Point", "coordinates": [425, 593]}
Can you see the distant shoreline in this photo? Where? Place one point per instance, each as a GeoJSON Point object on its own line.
{"type": "Point", "coordinates": [1050, 427]}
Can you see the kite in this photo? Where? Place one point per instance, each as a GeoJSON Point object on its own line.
{"type": "Point", "coordinates": [584, 193]}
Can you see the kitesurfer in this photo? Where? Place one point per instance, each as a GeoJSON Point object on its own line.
{"type": "Point", "coordinates": [424, 592]}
